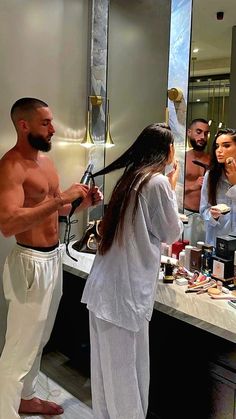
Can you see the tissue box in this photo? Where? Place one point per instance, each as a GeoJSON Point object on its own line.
{"type": "Point", "coordinates": [222, 268]}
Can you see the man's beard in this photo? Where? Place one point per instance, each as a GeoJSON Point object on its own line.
{"type": "Point", "coordinates": [197, 147]}
{"type": "Point", "coordinates": [38, 142]}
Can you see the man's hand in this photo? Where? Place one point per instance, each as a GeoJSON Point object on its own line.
{"type": "Point", "coordinates": [94, 197]}
{"type": "Point", "coordinates": [77, 190]}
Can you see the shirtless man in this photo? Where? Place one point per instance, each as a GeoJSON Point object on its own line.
{"type": "Point", "coordinates": [30, 202]}
{"type": "Point", "coordinates": [198, 134]}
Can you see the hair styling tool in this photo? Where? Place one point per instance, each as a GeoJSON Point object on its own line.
{"type": "Point", "coordinates": [87, 176]}
{"type": "Point", "coordinates": [201, 164]}
{"type": "Point", "coordinates": [85, 181]}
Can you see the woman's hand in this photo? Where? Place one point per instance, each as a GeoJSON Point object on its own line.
{"type": "Point", "coordinates": [230, 170]}
{"type": "Point", "coordinates": [215, 213]}
{"type": "Point", "coordinates": [174, 174]}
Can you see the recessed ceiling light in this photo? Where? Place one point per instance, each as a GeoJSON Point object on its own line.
{"type": "Point", "coordinates": [195, 50]}
{"type": "Point", "coordinates": [198, 100]}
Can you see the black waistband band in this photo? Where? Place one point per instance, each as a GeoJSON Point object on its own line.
{"type": "Point", "coordinates": [40, 249]}
{"type": "Point", "coordinates": [192, 211]}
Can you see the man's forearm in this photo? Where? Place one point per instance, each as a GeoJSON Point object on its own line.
{"type": "Point", "coordinates": [23, 219]}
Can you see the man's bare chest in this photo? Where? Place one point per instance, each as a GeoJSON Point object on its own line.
{"type": "Point", "coordinates": [39, 185]}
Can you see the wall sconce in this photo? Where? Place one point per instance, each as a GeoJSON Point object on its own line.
{"type": "Point", "coordinates": [88, 140]}
{"type": "Point", "coordinates": [108, 140]}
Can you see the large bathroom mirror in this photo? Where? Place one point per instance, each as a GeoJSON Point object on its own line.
{"type": "Point", "coordinates": [138, 44]}
{"type": "Point", "coordinates": [209, 82]}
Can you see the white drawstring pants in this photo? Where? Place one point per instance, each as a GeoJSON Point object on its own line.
{"type": "Point", "coordinates": [119, 370]}
{"type": "Point", "coordinates": [32, 282]}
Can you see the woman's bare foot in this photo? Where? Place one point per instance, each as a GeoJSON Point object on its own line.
{"type": "Point", "coordinates": [39, 406]}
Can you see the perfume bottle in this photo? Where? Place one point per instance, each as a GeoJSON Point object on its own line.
{"type": "Point", "coordinates": [206, 264]}
{"type": "Point", "coordinates": [168, 277]}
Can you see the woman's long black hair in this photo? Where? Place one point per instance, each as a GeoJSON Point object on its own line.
{"type": "Point", "coordinates": [146, 156]}
{"type": "Point", "coordinates": [216, 168]}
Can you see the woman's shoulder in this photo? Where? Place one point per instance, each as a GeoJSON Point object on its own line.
{"type": "Point", "coordinates": [157, 182]}
{"type": "Point", "coordinates": [159, 179]}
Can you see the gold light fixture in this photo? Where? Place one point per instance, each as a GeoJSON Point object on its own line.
{"type": "Point", "coordinates": [108, 139]}
{"type": "Point", "coordinates": [87, 140]}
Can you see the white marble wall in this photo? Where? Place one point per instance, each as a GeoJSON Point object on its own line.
{"type": "Point", "coordinates": [180, 43]}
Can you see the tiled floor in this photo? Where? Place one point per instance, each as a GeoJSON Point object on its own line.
{"type": "Point", "coordinates": [61, 370]}
{"type": "Point", "coordinates": [73, 408]}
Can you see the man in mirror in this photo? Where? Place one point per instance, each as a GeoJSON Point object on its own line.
{"type": "Point", "coordinates": [196, 163]}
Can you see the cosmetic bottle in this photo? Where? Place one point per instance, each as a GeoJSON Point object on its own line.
{"type": "Point", "coordinates": [182, 258]}
{"type": "Point", "coordinates": [188, 249]}
{"type": "Point", "coordinates": [168, 277]}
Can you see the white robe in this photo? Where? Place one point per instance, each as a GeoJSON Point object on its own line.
{"type": "Point", "coordinates": [120, 293]}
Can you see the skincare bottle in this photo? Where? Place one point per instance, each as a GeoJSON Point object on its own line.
{"type": "Point", "coordinates": [182, 258]}
{"type": "Point", "coordinates": [188, 249]}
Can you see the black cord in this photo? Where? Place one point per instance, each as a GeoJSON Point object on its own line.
{"type": "Point", "coordinates": [68, 237]}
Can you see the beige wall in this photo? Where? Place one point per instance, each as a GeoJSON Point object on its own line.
{"type": "Point", "coordinates": [43, 49]}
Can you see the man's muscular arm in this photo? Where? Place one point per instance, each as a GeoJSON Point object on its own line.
{"type": "Point", "coordinates": [94, 197]}
{"type": "Point", "coordinates": [16, 218]}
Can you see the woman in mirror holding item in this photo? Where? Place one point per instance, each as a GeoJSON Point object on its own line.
{"type": "Point", "coordinates": [120, 290]}
{"type": "Point", "coordinates": [218, 195]}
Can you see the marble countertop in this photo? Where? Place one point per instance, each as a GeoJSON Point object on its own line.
{"type": "Point", "coordinates": [214, 316]}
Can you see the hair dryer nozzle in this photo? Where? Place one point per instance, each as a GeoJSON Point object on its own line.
{"type": "Point", "coordinates": [87, 175]}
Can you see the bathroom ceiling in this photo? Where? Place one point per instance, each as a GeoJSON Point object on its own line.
{"type": "Point", "coordinates": [212, 36]}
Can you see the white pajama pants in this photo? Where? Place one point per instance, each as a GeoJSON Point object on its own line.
{"type": "Point", "coordinates": [119, 370]}
{"type": "Point", "coordinates": [32, 282]}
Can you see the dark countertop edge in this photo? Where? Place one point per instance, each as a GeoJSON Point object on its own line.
{"type": "Point", "coordinates": [75, 271]}
{"type": "Point", "coordinates": [208, 327]}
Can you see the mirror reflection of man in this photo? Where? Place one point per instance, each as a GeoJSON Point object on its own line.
{"type": "Point", "coordinates": [198, 133]}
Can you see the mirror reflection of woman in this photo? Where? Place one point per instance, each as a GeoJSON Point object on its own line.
{"type": "Point", "coordinates": [120, 290]}
{"type": "Point", "coordinates": [219, 187]}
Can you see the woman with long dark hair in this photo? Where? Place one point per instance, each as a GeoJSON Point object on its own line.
{"type": "Point", "coordinates": [120, 290]}
{"type": "Point", "coordinates": [217, 187]}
